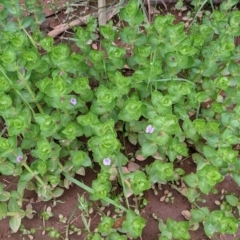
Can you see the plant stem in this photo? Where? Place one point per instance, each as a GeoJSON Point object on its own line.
{"type": "Point", "coordinates": [33, 174]}
{"type": "Point", "coordinates": [123, 182]}
{"type": "Point", "coordinates": [177, 189]}
{"type": "Point", "coordinates": [33, 97]}
{"type": "Point", "coordinates": [174, 79]}
{"type": "Point", "coordinates": [12, 214]}
{"type": "Point", "coordinates": [90, 190]}
{"type": "Point", "coordinates": [17, 91]}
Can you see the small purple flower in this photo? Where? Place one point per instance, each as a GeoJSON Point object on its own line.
{"type": "Point", "coordinates": [150, 129]}
{"type": "Point", "coordinates": [106, 161]}
{"type": "Point", "coordinates": [73, 101]}
{"type": "Point", "coordinates": [19, 158]}
{"type": "Point", "coordinates": [61, 73]}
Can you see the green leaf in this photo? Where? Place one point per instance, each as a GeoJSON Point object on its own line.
{"type": "Point", "coordinates": [162, 139]}
{"type": "Point", "coordinates": [81, 86]}
{"type": "Point", "coordinates": [132, 110]}
{"type": "Point", "coordinates": [221, 82]}
{"type": "Point", "coordinates": [108, 31]}
{"type": "Point", "coordinates": [47, 43]}
{"type": "Point", "coordinates": [149, 149]}
{"type": "Point", "coordinates": [211, 225]}
{"type": "Point", "coordinates": [168, 124]}
{"type": "Point", "coordinates": [48, 124]}
{"type": "Point", "coordinates": [139, 182]}
{"type": "Point", "coordinates": [133, 224]}
{"type": "Point", "coordinates": [129, 11]}
{"type": "Point", "coordinates": [116, 236]}
{"type": "Point", "coordinates": [101, 186]}
{"type": "Point", "coordinates": [96, 236]}
{"type": "Point", "coordinates": [19, 123]}
{"type": "Point", "coordinates": [209, 152]}
{"type": "Point", "coordinates": [8, 56]}
{"type": "Point", "coordinates": [128, 35]}
{"type": "Point", "coordinates": [161, 22]}
{"type": "Point", "coordinates": [225, 6]}
{"type": "Point", "coordinates": [160, 172]}
{"type": "Point", "coordinates": [59, 53]}
{"type": "Point", "coordinates": [200, 126]}
{"type": "Point", "coordinates": [88, 119]}
{"type": "Point", "coordinates": [4, 196]}
{"type": "Point", "coordinates": [104, 146]}
{"type": "Point", "coordinates": [15, 222]}
{"type": "Point", "coordinates": [4, 87]}
{"type": "Point", "coordinates": [7, 168]}
{"type": "Point", "coordinates": [23, 180]}
{"type": "Point", "coordinates": [106, 224]}
{"type": "Point", "coordinates": [43, 149]}
{"type": "Point", "coordinates": [227, 154]}
{"type": "Point", "coordinates": [7, 146]}
{"type": "Point", "coordinates": [178, 229]}
{"type": "Point", "coordinates": [5, 100]}
{"type": "Point", "coordinates": [199, 215]}
{"type": "Point", "coordinates": [107, 127]}
{"type": "Point", "coordinates": [236, 177]}
{"type": "Point", "coordinates": [40, 166]}
{"type": "Point", "coordinates": [192, 194]}
{"type": "Point", "coordinates": [191, 180]}
{"type": "Point", "coordinates": [13, 205]}
{"type": "Point", "coordinates": [3, 210]}
{"type": "Point", "coordinates": [232, 200]}
{"type": "Point", "coordinates": [57, 192]}
{"type": "Point", "coordinates": [80, 158]}
{"type": "Point", "coordinates": [208, 176]}
{"type": "Point", "coordinates": [106, 99]}
{"type": "Point", "coordinates": [72, 130]}
{"type": "Point", "coordinates": [210, 229]}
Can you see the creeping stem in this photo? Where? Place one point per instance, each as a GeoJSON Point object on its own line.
{"type": "Point", "coordinates": [33, 174]}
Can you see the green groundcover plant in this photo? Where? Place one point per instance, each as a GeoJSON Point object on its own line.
{"type": "Point", "coordinates": [63, 111]}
